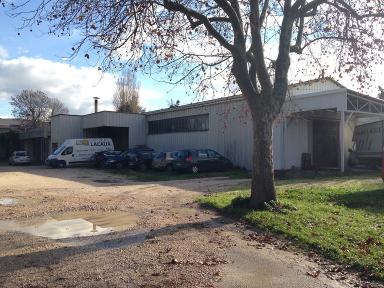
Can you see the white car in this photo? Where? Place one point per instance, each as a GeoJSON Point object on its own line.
{"type": "Point", "coordinates": [19, 157]}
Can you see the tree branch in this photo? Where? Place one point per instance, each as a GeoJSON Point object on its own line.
{"type": "Point", "coordinates": [263, 12]}
{"type": "Point", "coordinates": [176, 7]}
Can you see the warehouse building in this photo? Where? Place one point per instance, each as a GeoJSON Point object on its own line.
{"type": "Point", "coordinates": [317, 122]}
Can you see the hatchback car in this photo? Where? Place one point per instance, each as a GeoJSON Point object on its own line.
{"type": "Point", "coordinates": [196, 160]}
{"type": "Point", "coordinates": [163, 160]}
{"type": "Point", "coordinates": [19, 157]}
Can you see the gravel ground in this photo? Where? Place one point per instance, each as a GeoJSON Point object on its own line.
{"type": "Point", "coordinates": [161, 237]}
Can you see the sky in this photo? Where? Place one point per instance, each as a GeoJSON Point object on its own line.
{"type": "Point", "coordinates": [39, 61]}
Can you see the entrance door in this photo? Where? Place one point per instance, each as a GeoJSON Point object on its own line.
{"type": "Point", "coordinates": [325, 144]}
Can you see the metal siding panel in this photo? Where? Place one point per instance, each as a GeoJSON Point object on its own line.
{"type": "Point", "coordinates": [278, 145]}
{"type": "Point", "coordinates": [65, 127]}
{"type": "Point", "coordinates": [313, 87]}
{"type": "Point", "coordinates": [230, 132]}
{"type": "Point", "coordinates": [297, 142]}
{"type": "Point", "coordinates": [317, 102]}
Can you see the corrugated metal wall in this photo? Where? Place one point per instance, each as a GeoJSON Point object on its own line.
{"type": "Point", "coordinates": [230, 132]}
{"type": "Point", "coordinates": [65, 127]}
{"type": "Point", "coordinates": [135, 122]}
{"type": "Point", "coordinates": [71, 126]}
{"type": "Point", "coordinates": [230, 126]}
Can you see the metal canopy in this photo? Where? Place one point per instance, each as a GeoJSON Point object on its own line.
{"type": "Point", "coordinates": [320, 114]}
{"type": "Point", "coordinates": [357, 102]}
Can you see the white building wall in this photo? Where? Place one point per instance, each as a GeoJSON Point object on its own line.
{"type": "Point", "coordinates": [317, 86]}
{"type": "Point", "coordinates": [65, 127]}
{"type": "Point", "coordinates": [135, 122]}
{"type": "Point", "coordinates": [230, 131]}
{"type": "Point", "coordinates": [297, 141]}
{"type": "Point", "coordinates": [230, 126]}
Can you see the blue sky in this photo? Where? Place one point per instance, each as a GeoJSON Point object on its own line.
{"type": "Point", "coordinates": [36, 60]}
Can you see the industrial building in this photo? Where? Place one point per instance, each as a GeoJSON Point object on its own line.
{"type": "Point", "coordinates": [318, 119]}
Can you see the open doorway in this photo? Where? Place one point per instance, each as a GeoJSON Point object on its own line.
{"type": "Point", "coordinates": [119, 135]}
{"type": "Point", "coordinates": [325, 144]}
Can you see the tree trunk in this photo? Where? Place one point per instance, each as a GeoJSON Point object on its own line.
{"type": "Point", "coordinates": [263, 186]}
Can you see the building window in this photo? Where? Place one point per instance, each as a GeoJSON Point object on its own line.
{"type": "Point", "coordinates": [179, 124]}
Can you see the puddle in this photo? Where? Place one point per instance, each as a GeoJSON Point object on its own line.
{"type": "Point", "coordinates": [71, 225]}
{"type": "Point", "coordinates": [113, 181]}
{"type": "Point", "coordinates": [8, 201]}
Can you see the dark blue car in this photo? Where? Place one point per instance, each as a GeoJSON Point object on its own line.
{"type": "Point", "coordinates": [135, 158]}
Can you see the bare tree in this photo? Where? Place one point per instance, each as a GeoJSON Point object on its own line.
{"type": "Point", "coordinates": [30, 106]}
{"type": "Point", "coordinates": [35, 107]}
{"type": "Point", "coordinates": [246, 44]}
{"type": "Point", "coordinates": [55, 107]}
{"type": "Point", "coordinates": [126, 97]}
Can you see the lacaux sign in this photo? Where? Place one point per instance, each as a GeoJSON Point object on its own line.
{"type": "Point", "coordinates": [100, 143]}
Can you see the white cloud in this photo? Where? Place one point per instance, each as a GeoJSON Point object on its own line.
{"type": "Point", "coordinates": [3, 53]}
{"type": "Point", "coordinates": [149, 98]}
{"type": "Point", "coordinates": [75, 87]}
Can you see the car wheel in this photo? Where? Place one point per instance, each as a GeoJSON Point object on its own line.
{"type": "Point", "coordinates": [169, 168]}
{"type": "Point", "coordinates": [102, 164]}
{"type": "Point", "coordinates": [228, 166]}
{"type": "Point", "coordinates": [143, 167]}
{"type": "Point", "coordinates": [62, 164]}
{"type": "Point", "coordinates": [195, 169]}
{"type": "Point", "coordinates": [119, 165]}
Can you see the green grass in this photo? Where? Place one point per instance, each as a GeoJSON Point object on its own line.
{"type": "Point", "coordinates": [341, 218]}
{"type": "Point", "coordinates": [4, 163]}
{"type": "Point", "coordinates": [154, 175]}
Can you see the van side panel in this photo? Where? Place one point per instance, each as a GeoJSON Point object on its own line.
{"type": "Point", "coordinates": [83, 149]}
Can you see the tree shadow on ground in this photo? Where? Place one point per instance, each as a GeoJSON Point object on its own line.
{"type": "Point", "coordinates": [371, 201]}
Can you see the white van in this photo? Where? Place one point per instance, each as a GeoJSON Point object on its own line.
{"type": "Point", "coordinates": [78, 151]}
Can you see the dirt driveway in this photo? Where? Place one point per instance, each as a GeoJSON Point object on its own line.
{"type": "Point", "coordinates": [88, 228]}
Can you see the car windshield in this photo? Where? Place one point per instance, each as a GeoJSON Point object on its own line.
{"type": "Point", "coordinates": [21, 153]}
{"type": "Point", "coordinates": [59, 150]}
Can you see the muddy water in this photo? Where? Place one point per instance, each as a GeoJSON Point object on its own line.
{"type": "Point", "coordinates": [70, 225]}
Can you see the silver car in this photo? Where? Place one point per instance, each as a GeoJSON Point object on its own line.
{"type": "Point", "coordinates": [163, 160]}
{"type": "Point", "coordinates": [19, 157]}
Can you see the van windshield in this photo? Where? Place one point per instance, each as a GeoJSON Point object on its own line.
{"type": "Point", "coordinates": [59, 150]}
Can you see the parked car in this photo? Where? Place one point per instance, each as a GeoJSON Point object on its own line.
{"type": "Point", "coordinates": [163, 160]}
{"type": "Point", "coordinates": [19, 157]}
{"type": "Point", "coordinates": [135, 158]}
{"type": "Point", "coordinates": [99, 158]}
{"type": "Point", "coordinates": [196, 160]}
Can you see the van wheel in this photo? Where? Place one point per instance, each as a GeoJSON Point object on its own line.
{"type": "Point", "coordinates": [169, 168]}
{"type": "Point", "coordinates": [195, 169]}
{"type": "Point", "coordinates": [62, 164]}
